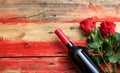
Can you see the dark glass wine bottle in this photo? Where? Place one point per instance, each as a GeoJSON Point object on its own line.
{"type": "Point", "coordinates": [79, 55]}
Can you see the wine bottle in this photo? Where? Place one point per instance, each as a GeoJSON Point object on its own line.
{"type": "Point", "coordinates": [79, 55]}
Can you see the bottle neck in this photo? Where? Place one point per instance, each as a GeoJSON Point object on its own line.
{"type": "Point", "coordinates": [69, 45]}
{"type": "Point", "coordinates": [64, 38]}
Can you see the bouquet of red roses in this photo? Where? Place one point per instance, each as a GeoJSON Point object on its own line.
{"type": "Point", "coordinates": [104, 42]}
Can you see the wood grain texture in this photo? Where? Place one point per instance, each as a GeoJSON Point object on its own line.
{"type": "Point", "coordinates": [35, 49]}
{"type": "Point", "coordinates": [42, 32]}
{"type": "Point", "coordinates": [37, 65]}
{"type": "Point", "coordinates": [58, 11]}
{"type": "Point", "coordinates": [39, 32]}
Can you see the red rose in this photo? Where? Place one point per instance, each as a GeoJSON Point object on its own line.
{"type": "Point", "coordinates": [87, 25]}
{"type": "Point", "coordinates": [107, 28]}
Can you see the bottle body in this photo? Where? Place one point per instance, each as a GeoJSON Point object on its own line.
{"type": "Point", "coordinates": [82, 60]}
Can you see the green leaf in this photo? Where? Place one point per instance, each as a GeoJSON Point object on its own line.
{"type": "Point", "coordinates": [96, 42]}
{"type": "Point", "coordinates": [94, 45]}
{"type": "Point", "coordinates": [92, 50]}
{"type": "Point", "coordinates": [97, 37]}
{"type": "Point", "coordinates": [117, 43]}
{"type": "Point", "coordinates": [112, 39]}
{"type": "Point", "coordinates": [114, 58]}
{"type": "Point", "coordinates": [96, 59]}
{"type": "Point", "coordinates": [117, 46]}
{"type": "Point", "coordinates": [117, 35]}
{"type": "Point", "coordinates": [108, 49]}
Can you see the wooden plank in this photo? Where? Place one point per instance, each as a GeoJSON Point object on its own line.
{"type": "Point", "coordinates": [60, 1]}
{"type": "Point", "coordinates": [42, 32]}
{"type": "Point", "coordinates": [39, 32]}
{"type": "Point", "coordinates": [40, 65]}
{"type": "Point", "coordinates": [37, 65]}
{"type": "Point", "coordinates": [34, 49]}
{"type": "Point", "coordinates": [58, 11]}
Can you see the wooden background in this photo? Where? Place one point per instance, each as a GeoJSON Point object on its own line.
{"type": "Point", "coordinates": [27, 40]}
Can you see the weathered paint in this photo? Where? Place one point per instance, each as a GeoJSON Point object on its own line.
{"type": "Point", "coordinates": [55, 48]}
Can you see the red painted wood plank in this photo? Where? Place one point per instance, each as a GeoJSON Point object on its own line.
{"type": "Point", "coordinates": [55, 48]}
{"type": "Point", "coordinates": [41, 65]}
{"type": "Point", "coordinates": [37, 65]}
